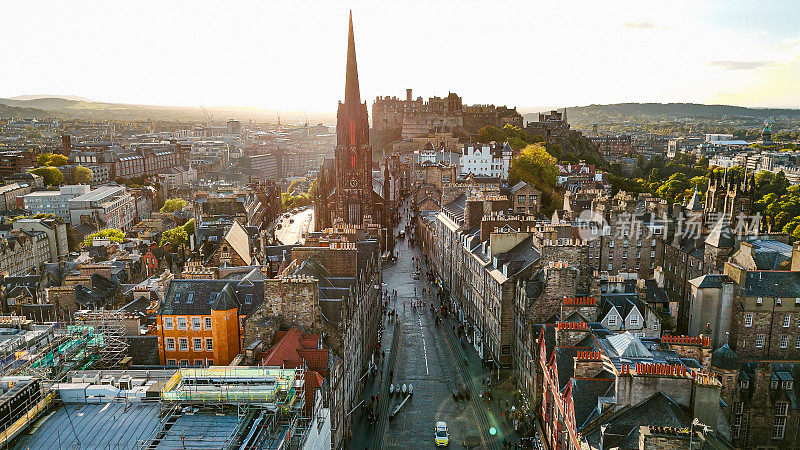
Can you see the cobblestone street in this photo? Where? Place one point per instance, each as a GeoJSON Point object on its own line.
{"type": "Point", "coordinates": [432, 359]}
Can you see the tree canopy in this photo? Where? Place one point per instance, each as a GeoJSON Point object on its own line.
{"type": "Point", "coordinates": [51, 175]}
{"type": "Point", "coordinates": [517, 138]}
{"type": "Point", "coordinates": [82, 175]}
{"type": "Point", "coordinates": [51, 159]}
{"type": "Point", "coordinates": [115, 235]}
{"type": "Point", "coordinates": [290, 200]}
{"type": "Point", "coordinates": [174, 205]}
{"type": "Point", "coordinates": [536, 167]}
{"type": "Point", "coordinates": [178, 236]}
{"type": "Point", "coordinates": [175, 237]}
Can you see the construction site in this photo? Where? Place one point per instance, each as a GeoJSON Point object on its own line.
{"type": "Point", "coordinates": [70, 386]}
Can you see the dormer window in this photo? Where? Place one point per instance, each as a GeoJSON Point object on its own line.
{"type": "Point", "coordinates": [787, 385]}
{"type": "Point", "coordinates": [759, 301]}
{"type": "Point", "coordinates": [774, 384]}
{"type": "Point", "coordinates": [744, 384]}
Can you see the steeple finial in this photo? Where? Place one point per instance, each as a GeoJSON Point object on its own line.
{"type": "Point", "coordinates": [352, 95]}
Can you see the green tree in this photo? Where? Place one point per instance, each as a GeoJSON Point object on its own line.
{"type": "Point", "coordinates": [491, 133]}
{"type": "Point", "coordinates": [115, 235]}
{"type": "Point", "coordinates": [174, 205]}
{"type": "Point", "coordinates": [674, 188]}
{"type": "Point", "coordinates": [51, 175]}
{"type": "Point", "coordinates": [175, 237]}
{"type": "Point", "coordinates": [189, 227]}
{"type": "Point", "coordinates": [537, 168]}
{"type": "Point", "coordinates": [293, 184]}
{"type": "Point", "coordinates": [50, 159]}
{"type": "Point", "coordinates": [58, 160]}
{"type": "Point", "coordinates": [82, 175]}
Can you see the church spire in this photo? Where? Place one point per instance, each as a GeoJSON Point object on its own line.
{"type": "Point", "coordinates": [352, 95]}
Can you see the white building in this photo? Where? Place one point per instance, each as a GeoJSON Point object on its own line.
{"type": "Point", "coordinates": [105, 207]}
{"type": "Point", "coordinates": [54, 202]}
{"type": "Point", "coordinates": [488, 160]}
{"type": "Point", "coordinates": [54, 229]}
{"type": "Point", "coordinates": [177, 177]}
{"type": "Point", "coordinates": [718, 137]}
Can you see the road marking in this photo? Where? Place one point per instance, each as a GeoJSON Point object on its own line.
{"type": "Point", "coordinates": [424, 347]}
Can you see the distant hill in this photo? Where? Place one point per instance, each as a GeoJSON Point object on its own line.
{"type": "Point", "coordinates": [41, 107]}
{"type": "Point", "coordinates": [584, 116]}
{"type": "Point", "coordinates": [39, 96]}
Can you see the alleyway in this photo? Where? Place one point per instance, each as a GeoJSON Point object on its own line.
{"type": "Point", "coordinates": [432, 359]}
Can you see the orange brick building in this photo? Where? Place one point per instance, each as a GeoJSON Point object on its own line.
{"type": "Point", "coordinates": [201, 322]}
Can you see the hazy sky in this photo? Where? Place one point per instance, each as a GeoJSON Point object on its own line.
{"type": "Point", "coordinates": [290, 55]}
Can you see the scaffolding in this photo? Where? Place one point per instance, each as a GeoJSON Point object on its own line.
{"type": "Point", "coordinates": [271, 387]}
{"type": "Point", "coordinates": [69, 349]}
{"type": "Point", "coordinates": [109, 342]}
{"type": "Point", "coordinates": [269, 405]}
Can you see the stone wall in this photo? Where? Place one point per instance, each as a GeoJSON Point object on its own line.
{"type": "Point", "coordinates": [286, 301]}
{"type": "Point", "coordinates": [339, 262]}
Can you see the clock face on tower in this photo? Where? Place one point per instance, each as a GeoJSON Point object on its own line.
{"type": "Point", "coordinates": [353, 183]}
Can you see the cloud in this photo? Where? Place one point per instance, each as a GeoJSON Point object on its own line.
{"type": "Point", "coordinates": [740, 65]}
{"type": "Point", "coordinates": [639, 25]}
{"type": "Point", "coordinates": [792, 41]}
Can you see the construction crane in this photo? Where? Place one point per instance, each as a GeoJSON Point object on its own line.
{"type": "Point", "coordinates": [209, 117]}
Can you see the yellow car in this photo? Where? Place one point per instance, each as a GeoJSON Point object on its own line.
{"type": "Point", "coordinates": [442, 438]}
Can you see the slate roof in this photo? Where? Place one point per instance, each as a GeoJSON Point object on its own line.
{"type": "Point", "coordinates": [565, 359]}
{"type": "Point", "coordinates": [710, 281]}
{"type": "Point", "coordinates": [768, 254]}
{"type": "Point", "coordinates": [366, 250]}
{"type": "Point", "coordinates": [725, 358]}
{"type": "Point", "coordinates": [457, 207]}
{"type": "Point", "coordinates": [781, 370]}
{"type": "Point", "coordinates": [721, 235]}
{"type": "Point", "coordinates": [521, 256]}
{"type": "Point", "coordinates": [655, 294]}
{"type": "Point", "coordinates": [623, 303]}
{"type": "Point", "coordinates": [694, 203]}
{"type": "Point", "coordinates": [204, 293]}
{"type": "Point", "coordinates": [226, 300]}
{"type": "Point", "coordinates": [623, 425]}
{"type": "Point", "coordinates": [771, 284]}
{"type": "Point", "coordinates": [585, 393]}
{"type": "Point", "coordinates": [101, 294]}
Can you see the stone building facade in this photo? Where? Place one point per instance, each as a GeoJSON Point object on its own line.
{"type": "Point", "coordinates": [411, 117]}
